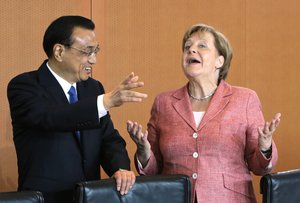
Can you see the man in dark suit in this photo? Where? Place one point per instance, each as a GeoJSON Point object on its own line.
{"type": "Point", "coordinates": [60, 141]}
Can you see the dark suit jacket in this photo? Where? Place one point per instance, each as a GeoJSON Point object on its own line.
{"type": "Point", "coordinates": [50, 159]}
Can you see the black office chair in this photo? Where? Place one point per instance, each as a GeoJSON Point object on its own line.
{"type": "Point", "coordinates": [22, 196]}
{"type": "Point", "coordinates": [281, 187]}
{"type": "Point", "coordinates": [147, 189]}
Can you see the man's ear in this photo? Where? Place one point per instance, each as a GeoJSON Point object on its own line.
{"type": "Point", "coordinates": [58, 50]}
{"type": "Point", "coordinates": [219, 61]}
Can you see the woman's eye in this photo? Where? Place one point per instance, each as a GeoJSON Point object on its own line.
{"type": "Point", "coordinates": [202, 46]}
{"type": "Point", "coordinates": [187, 47]}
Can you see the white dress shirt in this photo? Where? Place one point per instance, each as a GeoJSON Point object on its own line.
{"type": "Point", "coordinates": [66, 87]}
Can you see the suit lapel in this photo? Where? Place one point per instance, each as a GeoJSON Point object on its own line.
{"type": "Point", "coordinates": [218, 103]}
{"type": "Point", "coordinates": [51, 85]}
{"type": "Point", "coordinates": [53, 89]}
{"type": "Point", "coordinates": [183, 106]}
{"type": "Point", "coordinates": [81, 92]}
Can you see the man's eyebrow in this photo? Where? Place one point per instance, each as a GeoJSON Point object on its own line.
{"type": "Point", "coordinates": [92, 47]}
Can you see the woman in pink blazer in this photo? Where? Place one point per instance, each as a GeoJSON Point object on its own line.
{"type": "Point", "coordinates": [209, 130]}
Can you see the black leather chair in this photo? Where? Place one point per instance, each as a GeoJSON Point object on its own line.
{"type": "Point", "coordinates": [281, 187]}
{"type": "Point", "coordinates": [147, 189]}
{"type": "Point", "coordinates": [22, 197]}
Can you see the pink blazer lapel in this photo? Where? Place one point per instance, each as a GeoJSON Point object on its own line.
{"type": "Point", "coordinates": [218, 102]}
{"type": "Point", "coordinates": [183, 106]}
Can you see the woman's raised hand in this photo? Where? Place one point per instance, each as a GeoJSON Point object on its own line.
{"type": "Point", "coordinates": [143, 146]}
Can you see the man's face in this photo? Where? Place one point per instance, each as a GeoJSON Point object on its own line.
{"type": "Point", "coordinates": [79, 57]}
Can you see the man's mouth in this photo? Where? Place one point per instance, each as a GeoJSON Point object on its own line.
{"type": "Point", "coordinates": [88, 68]}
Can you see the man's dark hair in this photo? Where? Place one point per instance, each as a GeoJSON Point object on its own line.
{"type": "Point", "coordinates": [61, 29]}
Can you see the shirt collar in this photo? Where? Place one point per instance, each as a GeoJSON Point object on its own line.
{"type": "Point", "coordinates": [63, 83]}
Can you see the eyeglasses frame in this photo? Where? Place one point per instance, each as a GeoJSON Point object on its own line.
{"type": "Point", "coordinates": [84, 52]}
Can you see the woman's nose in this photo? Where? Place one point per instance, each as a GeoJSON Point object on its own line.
{"type": "Point", "coordinates": [192, 49]}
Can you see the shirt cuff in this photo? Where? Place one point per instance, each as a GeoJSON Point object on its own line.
{"type": "Point", "coordinates": [101, 109]}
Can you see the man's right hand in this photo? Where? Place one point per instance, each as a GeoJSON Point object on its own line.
{"type": "Point", "coordinates": [123, 93]}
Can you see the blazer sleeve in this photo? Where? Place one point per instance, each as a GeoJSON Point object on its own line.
{"type": "Point", "coordinates": [257, 163]}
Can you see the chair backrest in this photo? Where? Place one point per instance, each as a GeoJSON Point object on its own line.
{"type": "Point", "coordinates": [22, 196]}
{"type": "Point", "coordinates": [281, 187]}
{"type": "Point", "coordinates": [147, 189]}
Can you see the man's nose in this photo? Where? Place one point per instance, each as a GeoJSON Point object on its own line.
{"type": "Point", "coordinates": [92, 59]}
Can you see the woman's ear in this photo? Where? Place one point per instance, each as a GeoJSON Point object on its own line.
{"type": "Point", "coordinates": [219, 61]}
{"type": "Point", "coordinates": [58, 52]}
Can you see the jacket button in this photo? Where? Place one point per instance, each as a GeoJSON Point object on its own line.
{"type": "Point", "coordinates": [195, 176]}
{"type": "Point", "coordinates": [195, 155]}
{"type": "Point", "coordinates": [195, 135]}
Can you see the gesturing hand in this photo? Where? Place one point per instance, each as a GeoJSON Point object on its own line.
{"type": "Point", "coordinates": [265, 133]}
{"type": "Point", "coordinates": [123, 93]}
{"type": "Point", "coordinates": [141, 141]}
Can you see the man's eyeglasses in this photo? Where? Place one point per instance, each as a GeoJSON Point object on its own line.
{"type": "Point", "coordinates": [87, 53]}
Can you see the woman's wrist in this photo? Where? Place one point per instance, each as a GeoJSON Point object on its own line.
{"type": "Point", "coordinates": [267, 153]}
{"type": "Point", "coordinates": [266, 150]}
{"type": "Point", "coordinates": [143, 156]}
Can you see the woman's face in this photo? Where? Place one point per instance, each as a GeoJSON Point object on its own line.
{"type": "Point", "coordinates": [200, 58]}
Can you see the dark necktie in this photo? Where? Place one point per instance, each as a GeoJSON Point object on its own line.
{"type": "Point", "coordinates": [74, 99]}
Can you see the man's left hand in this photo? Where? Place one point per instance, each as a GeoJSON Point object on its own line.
{"type": "Point", "coordinates": [124, 180]}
